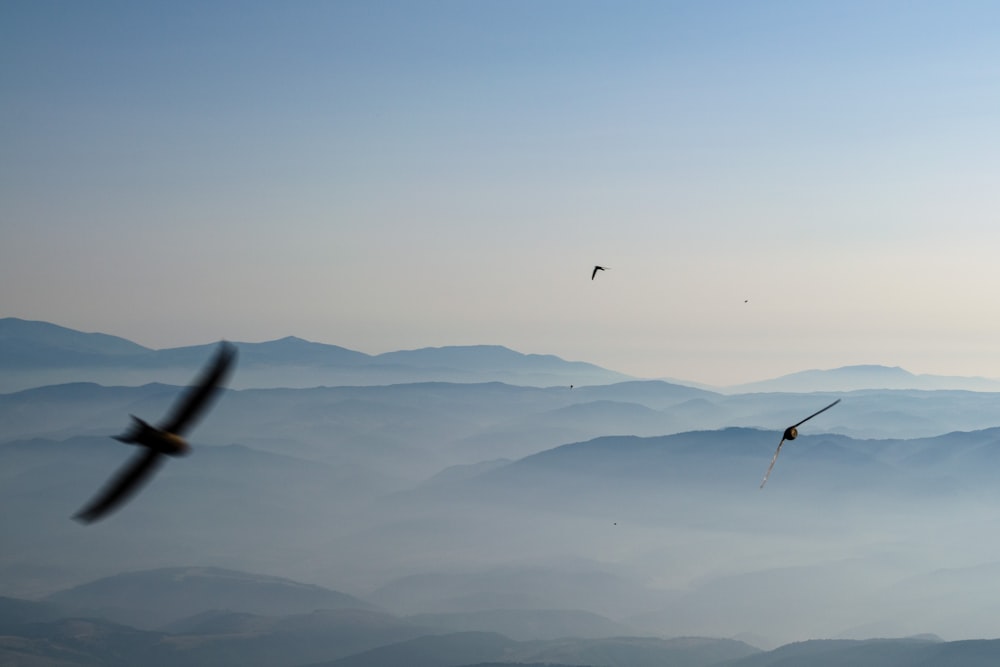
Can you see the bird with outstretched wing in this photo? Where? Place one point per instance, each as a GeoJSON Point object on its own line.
{"type": "Point", "coordinates": [790, 434]}
{"type": "Point", "coordinates": [160, 441]}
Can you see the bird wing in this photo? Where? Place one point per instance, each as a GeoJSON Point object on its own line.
{"type": "Point", "coordinates": [770, 467]}
{"type": "Point", "coordinates": [594, 272]}
{"type": "Point", "coordinates": [122, 486]}
{"type": "Point", "coordinates": [816, 413]}
{"type": "Point", "coordinates": [201, 394]}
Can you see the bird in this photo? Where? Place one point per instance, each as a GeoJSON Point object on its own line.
{"type": "Point", "coordinates": [790, 434]}
{"type": "Point", "coordinates": [160, 441]}
{"type": "Point", "coordinates": [596, 269]}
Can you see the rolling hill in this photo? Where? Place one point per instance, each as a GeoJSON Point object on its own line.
{"type": "Point", "coordinates": [153, 598]}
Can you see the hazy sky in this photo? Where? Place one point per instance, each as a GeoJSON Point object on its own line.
{"type": "Point", "coordinates": [393, 175]}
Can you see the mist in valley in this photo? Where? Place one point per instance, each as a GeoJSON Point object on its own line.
{"type": "Point", "coordinates": [625, 509]}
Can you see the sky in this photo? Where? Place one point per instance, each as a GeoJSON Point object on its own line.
{"type": "Point", "coordinates": [775, 186]}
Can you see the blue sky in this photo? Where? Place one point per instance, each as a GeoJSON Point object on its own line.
{"type": "Point", "coordinates": [392, 175]}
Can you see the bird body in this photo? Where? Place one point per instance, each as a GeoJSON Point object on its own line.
{"type": "Point", "coordinates": [163, 442]}
{"type": "Point", "coordinates": [596, 269]}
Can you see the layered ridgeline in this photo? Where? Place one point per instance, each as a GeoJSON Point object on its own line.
{"type": "Point", "coordinates": [39, 353]}
{"type": "Point", "coordinates": [34, 353]}
{"type": "Point", "coordinates": [664, 535]}
{"type": "Point", "coordinates": [513, 513]}
{"type": "Point", "coordinates": [850, 378]}
{"type": "Point", "coordinates": [226, 618]}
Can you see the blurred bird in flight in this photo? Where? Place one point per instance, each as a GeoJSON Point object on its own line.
{"type": "Point", "coordinates": [163, 440]}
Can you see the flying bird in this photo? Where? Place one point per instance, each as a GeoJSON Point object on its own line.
{"type": "Point", "coordinates": [160, 441]}
{"type": "Point", "coordinates": [790, 434]}
{"type": "Point", "coordinates": [596, 269]}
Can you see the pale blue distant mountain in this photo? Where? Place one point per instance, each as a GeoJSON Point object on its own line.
{"type": "Point", "coordinates": [443, 650]}
{"type": "Point", "coordinates": [362, 638]}
{"type": "Point", "coordinates": [682, 499]}
{"type": "Point", "coordinates": [152, 598]}
{"type": "Point", "coordinates": [524, 588]}
{"type": "Point", "coordinates": [288, 351]}
{"type": "Point", "coordinates": [14, 613]}
{"type": "Point", "coordinates": [851, 378]}
{"type": "Point", "coordinates": [728, 460]}
{"type": "Point", "coordinates": [253, 503]}
{"type": "Point", "coordinates": [219, 638]}
{"type": "Point", "coordinates": [826, 492]}
{"type": "Point", "coordinates": [488, 648]}
{"type": "Point", "coordinates": [38, 353]}
{"type": "Point", "coordinates": [640, 651]}
{"type": "Point", "coordinates": [416, 430]}
{"type": "Point", "coordinates": [906, 652]}
{"type": "Point", "coordinates": [216, 637]}
{"type": "Point", "coordinates": [33, 344]}
{"type": "Point", "coordinates": [483, 358]}
{"type": "Point", "coordinates": [525, 624]}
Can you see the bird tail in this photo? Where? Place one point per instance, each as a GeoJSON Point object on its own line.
{"type": "Point", "coordinates": [771, 467]}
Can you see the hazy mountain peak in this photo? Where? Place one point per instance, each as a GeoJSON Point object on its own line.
{"type": "Point", "coordinates": [875, 367]}
{"type": "Point", "coordinates": [863, 376]}
{"type": "Point", "coordinates": [452, 352]}
{"type": "Point", "coordinates": [31, 341]}
{"type": "Point", "coordinates": [292, 341]}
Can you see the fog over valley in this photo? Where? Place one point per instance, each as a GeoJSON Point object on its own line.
{"type": "Point", "coordinates": [500, 515]}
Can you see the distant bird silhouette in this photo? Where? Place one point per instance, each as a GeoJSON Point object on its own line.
{"type": "Point", "coordinates": [596, 269]}
{"type": "Point", "coordinates": [161, 441]}
{"type": "Point", "coordinates": [790, 434]}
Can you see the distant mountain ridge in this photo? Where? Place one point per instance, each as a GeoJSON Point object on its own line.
{"type": "Point", "coordinates": [569, 499]}
{"type": "Point", "coordinates": [865, 376]}
{"type": "Point", "coordinates": [50, 634]}
{"type": "Point", "coordinates": [29, 344]}
{"type": "Point", "coordinates": [45, 634]}
{"type": "Point", "coordinates": [34, 354]}
{"type": "Point", "coordinates": [182, 592]}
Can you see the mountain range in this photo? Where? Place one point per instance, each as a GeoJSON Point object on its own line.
{"type": "Point", "coordinates": [74, 628]}
{"type": "Point", "coordinates": [475, 522]}
{"type": "Point", "coordinates": [871, 376]}
{"type": "Point", "coordinates": [665, 535]}
{"type": "Point", "coordinates": [34, 353]}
